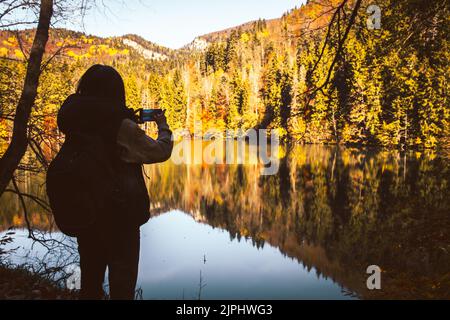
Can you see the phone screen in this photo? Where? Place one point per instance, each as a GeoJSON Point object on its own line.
{"type": "Point", "coordinates": [148, 115]}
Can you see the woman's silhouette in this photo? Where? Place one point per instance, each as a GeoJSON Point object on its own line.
{"type": "Point", "coordinates": [98, 108]}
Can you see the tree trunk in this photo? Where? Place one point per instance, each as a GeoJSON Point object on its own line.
{"type": "Point", "coordinates": [19, 142]}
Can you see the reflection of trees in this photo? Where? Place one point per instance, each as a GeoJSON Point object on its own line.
{"type": "Point", "coordinates": [32, 188]}
{"type": "Point", "coordinates": [339, 210]}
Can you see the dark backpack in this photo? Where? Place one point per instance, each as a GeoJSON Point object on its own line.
{"type": "Point", "coordinates": [81, 184]}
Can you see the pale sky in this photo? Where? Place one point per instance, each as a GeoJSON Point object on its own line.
{"type": "Point", "coordinates": [174, 23]}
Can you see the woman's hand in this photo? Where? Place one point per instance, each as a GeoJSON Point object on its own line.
{"type": "Point", "coordinates": [160, 119]}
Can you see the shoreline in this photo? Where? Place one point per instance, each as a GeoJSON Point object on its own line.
{"type": "Point", "coordinates": [19, 283]}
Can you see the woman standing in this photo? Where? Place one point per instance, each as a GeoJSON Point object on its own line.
{"type": "Point", "coordinates": [98, 109]}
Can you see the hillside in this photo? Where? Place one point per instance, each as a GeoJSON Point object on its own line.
{"type": "Point", "coordinates": [264, 74]}
{"type": "Point", "coordinates": [79, 45]}
{"type": "Point", "coordinates": [315, 15]}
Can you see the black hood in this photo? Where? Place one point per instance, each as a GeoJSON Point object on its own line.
{"type": "Point", "coordinates": [92, 115]}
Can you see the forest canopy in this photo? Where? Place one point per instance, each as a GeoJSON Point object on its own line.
{"type": "Point", "coordinates": [388, 87]}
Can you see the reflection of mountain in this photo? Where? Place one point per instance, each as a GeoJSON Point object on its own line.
{"type": "Point", "coordinates": [336, 210]}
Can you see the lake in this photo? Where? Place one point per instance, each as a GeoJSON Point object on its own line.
{"type": "Point", "coordinates": [307, 232]}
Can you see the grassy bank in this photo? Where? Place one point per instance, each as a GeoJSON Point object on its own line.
{"type": "Point", "coordinates": [20, 284]}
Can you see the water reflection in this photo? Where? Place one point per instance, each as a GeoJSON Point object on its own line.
{"type": "Point", "coordinates": [175, 249]}
{"type": "Point", "coordinates": [334, 211]}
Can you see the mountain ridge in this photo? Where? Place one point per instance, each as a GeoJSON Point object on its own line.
{"type": "Point", "coordinates": [78, 44]}
{"type": "Point", "coordinates": [274, 26]}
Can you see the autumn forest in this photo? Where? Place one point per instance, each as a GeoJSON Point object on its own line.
{"type": "Point", "coordinates": [357, 91]}
{"type": "Point", "coordinates": [288, 74]}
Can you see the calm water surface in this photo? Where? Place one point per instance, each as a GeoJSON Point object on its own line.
{"type": "Point", "coordinates": [308, 232]}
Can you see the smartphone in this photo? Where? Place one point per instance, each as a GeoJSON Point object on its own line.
{"type": "Point", "coordinates": [148, 115]}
